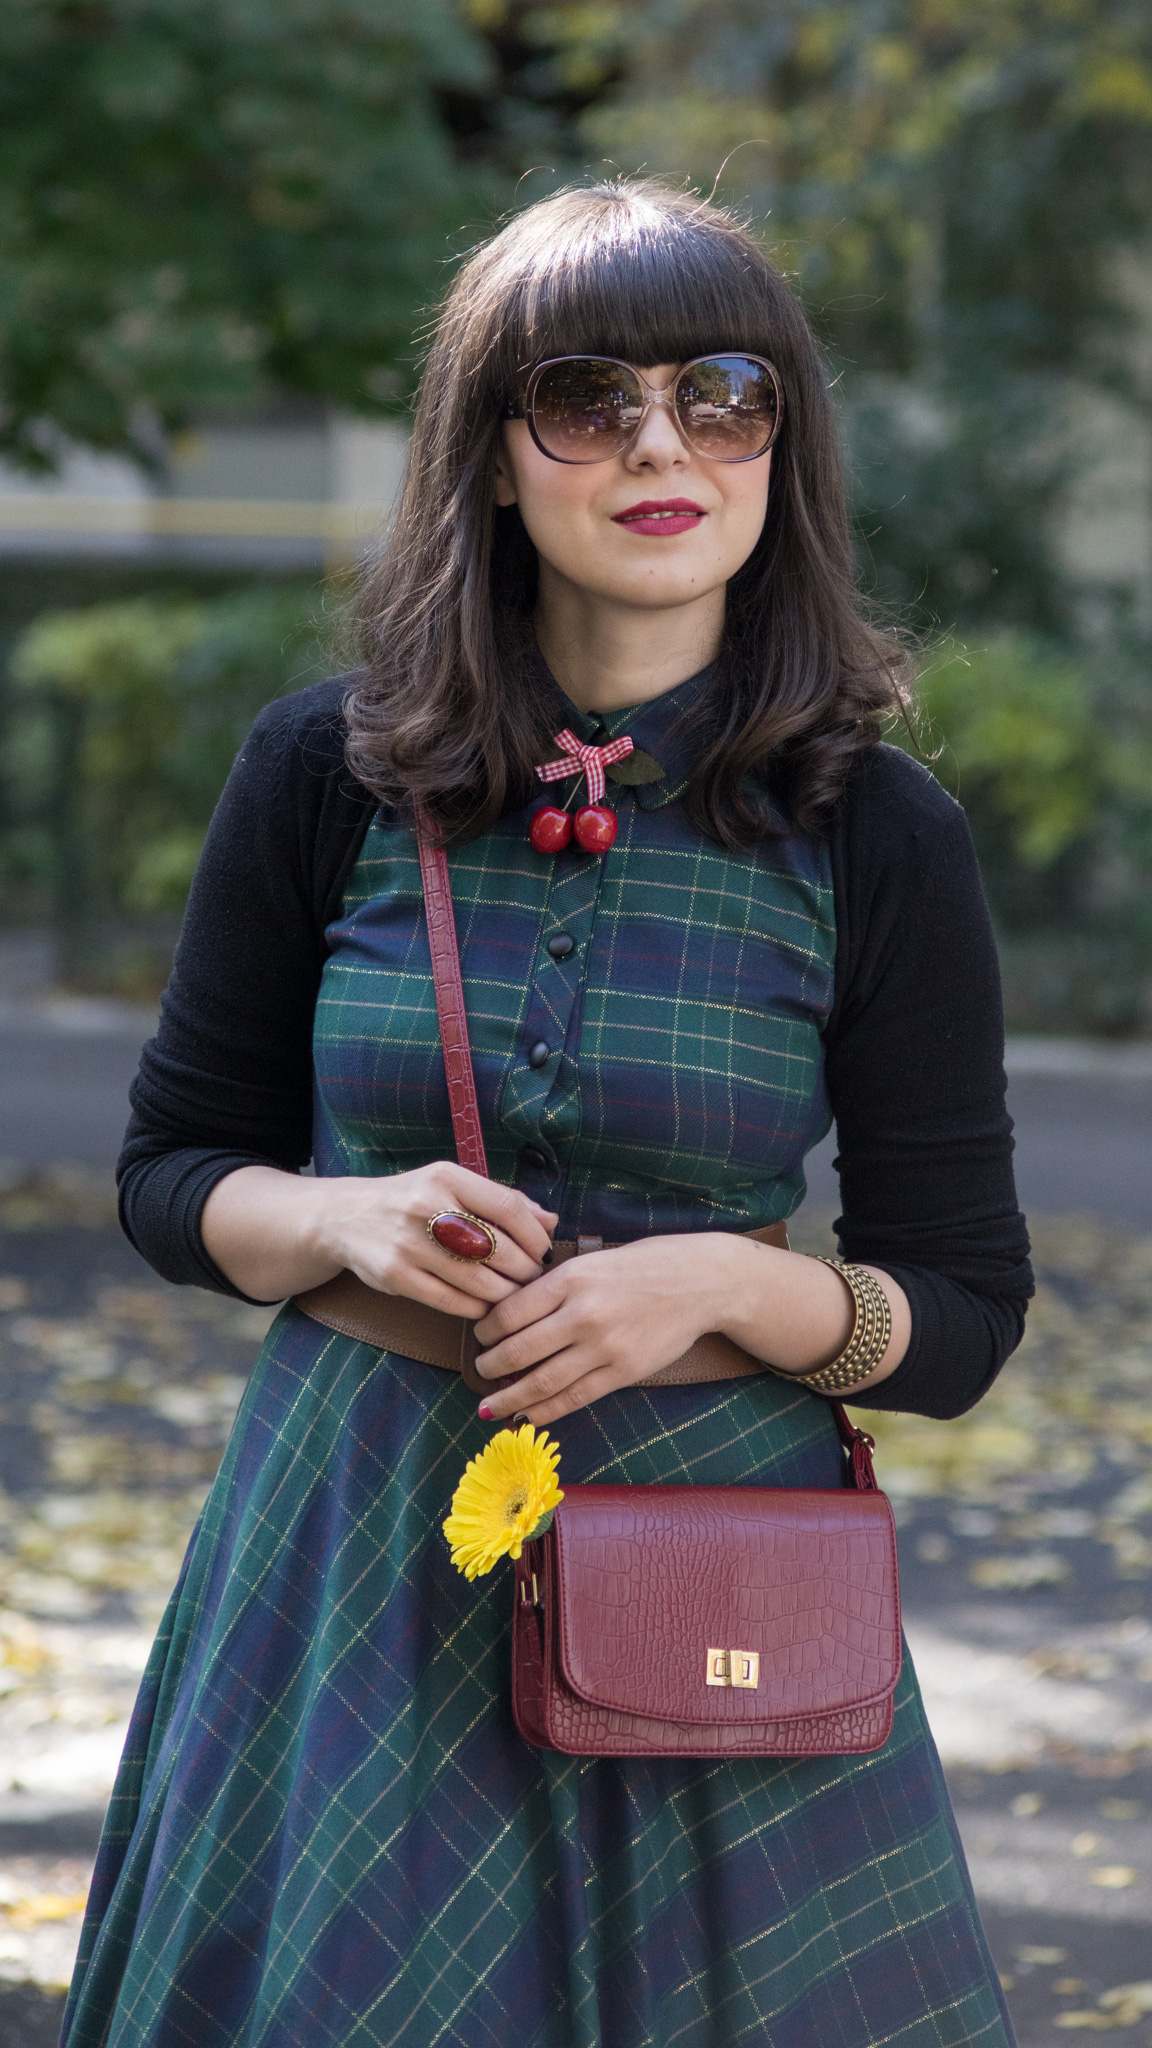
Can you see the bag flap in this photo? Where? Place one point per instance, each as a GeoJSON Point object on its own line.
{"type": "Point", "coordinates": [725, 1604]}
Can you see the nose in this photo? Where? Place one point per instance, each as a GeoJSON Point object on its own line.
{"type": "Point", "coordinates": [657, 445]}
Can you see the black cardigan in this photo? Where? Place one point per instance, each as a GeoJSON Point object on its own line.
{"type": "Point", "coordinates": [914, 1045]}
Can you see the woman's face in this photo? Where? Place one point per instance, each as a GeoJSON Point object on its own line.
{"type": "Point", "coordinates": [654, 528]}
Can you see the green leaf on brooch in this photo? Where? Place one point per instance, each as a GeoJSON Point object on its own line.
{"type": "Point", "coordinates": [541, 1529]}
{"type": "Point", "coordinates": [635, 768]}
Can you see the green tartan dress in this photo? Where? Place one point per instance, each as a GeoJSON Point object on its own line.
{"type": "Point", "coordinates": [326, 1832]}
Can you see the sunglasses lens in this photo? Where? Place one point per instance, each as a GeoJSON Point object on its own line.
{"type": "Point", "coordinates": [584, 408]}
{"type": "Point", "coordinates": [728, 407]}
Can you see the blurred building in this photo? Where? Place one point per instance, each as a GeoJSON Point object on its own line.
{"type": "Point", "coordinates": [294, 491]}
{"type": "Point", "coordinates": [311, 490]}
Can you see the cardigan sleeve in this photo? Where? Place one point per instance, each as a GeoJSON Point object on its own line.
{"type": "Point", "coordinates": [915, 1068]}
{"type": "Point", "coordinates": [227, 1080]}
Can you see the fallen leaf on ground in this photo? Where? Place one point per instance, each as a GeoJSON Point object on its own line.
{"type": "Point", "coordinates": [1024, 1806]}
{"type": "Point", "coordinates": [45, 1906]}
{"type": "Point", "coordinates": [1138, 1995]}
{"type": "Point", "coordinates": [1017, 1574]}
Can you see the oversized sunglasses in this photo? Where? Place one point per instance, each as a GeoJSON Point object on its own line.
{"type": "Point", "coordinates": [590, 408]}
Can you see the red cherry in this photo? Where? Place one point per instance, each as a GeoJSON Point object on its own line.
{"type": "Point", "coordinates": [551, 828]}
{"type": "Point", "coordinates": [596, 828]}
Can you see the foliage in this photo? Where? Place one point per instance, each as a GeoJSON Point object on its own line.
{"type": "Point", "coordinates": [205, 202]}
{"type": "Point", "coordinates": [1018, 742]}
{"type": "Point", "coordinates": [1053, 764]}
{"type": "Point", "coordinates": [954, 185]}
{"type": "Point", "coordinates": [128, 718]}
{"type": "Point", "coordinates": [547, 65]}
{"type": "Point", "coordinates": [206, 205]}
{"type": "Point", "coordinates": [950, 181]}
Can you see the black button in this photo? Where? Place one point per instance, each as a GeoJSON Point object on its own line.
{"type": "Point", "coordinates": [561, 946]}
{"type": "Point", "coordinates": [533, 1156]}
{"type": "Point", "coordinates": [539, 1053]}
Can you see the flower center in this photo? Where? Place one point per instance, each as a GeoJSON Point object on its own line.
{"type": "Point", "coordinates": [517, 1502]}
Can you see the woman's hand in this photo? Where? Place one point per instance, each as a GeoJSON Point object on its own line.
{"type": "Point", "coordinates": [605, 1320]}
{"type": "Point", "coordinates": [276, 1234]}
{"type": "Point", "coordinates": [613, 1318]}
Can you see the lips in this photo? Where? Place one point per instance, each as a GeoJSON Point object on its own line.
{"type": "Point", "coordinates": [662, 516]}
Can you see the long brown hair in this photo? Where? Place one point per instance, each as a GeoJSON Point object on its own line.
{"type": "Point", "coordinates": [448, 710]}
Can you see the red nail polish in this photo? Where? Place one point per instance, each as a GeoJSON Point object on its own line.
{"type": "Point", "coordinates": [485, 1412]}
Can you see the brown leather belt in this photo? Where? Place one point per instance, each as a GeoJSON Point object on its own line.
{"type": "Point", "coordinates": [391, 1323]}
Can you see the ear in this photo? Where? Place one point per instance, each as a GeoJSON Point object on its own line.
{"type": "Point", "coordinates": [506, 493]}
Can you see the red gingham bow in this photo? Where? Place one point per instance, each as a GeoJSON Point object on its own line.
{"type": "Point", "coordinates": [589, 761]}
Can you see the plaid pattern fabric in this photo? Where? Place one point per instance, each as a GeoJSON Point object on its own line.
{"type": "Point", "coordinates": [325, 1829]}
{"type": "Point", "coordinates": [683, 1078]}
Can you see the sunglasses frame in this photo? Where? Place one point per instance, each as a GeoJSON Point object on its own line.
{"type": "Point", "coordinates": [522, 407]}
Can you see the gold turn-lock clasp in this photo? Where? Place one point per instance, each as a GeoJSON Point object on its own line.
{"type": "Point", "coordinates": [529, 1599]}
{"type": "Point", "coordinates": [740, 1668]}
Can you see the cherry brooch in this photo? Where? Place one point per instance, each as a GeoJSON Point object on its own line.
{"type": "Point", "coordinates": [551, 829]}
{"type": "Point", "coordinates": [595, 825]}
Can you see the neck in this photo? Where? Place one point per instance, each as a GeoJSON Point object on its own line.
{"type": "Point", "coordinates": [605, 655]}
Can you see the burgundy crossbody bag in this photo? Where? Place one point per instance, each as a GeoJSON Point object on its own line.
{"type": "Point", "coordinates": [690, 1620]}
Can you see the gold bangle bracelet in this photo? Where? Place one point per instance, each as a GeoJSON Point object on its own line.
{"type": "Point", "coordinates": [871, 1334]}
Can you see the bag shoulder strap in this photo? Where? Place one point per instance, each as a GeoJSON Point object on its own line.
{"type": "Point", "coordinates": [859, 1446]}
{"type": "Point", "coordinates": [450, 1003]}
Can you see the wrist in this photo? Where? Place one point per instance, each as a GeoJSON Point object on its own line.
{"type": "Point", "coordinates": [258, 1226]}
{"type": "Point", "coordinates": [324, 1215]}
{"type": "Point", "coordinates": [789, 1310]}
{"type": "Point", "coordinates": [741, 1275]}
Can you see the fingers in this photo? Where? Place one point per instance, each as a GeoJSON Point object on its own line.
{"type": "Point", "coordinates": [578, 1393]}
{"type": "Point", "coordinates": [454, 1292]}
{"type": "Point", "coordinates": [558, 1388]}
{"type": "Point", "coordinates": [517, 1215]}
{"type": "Point", "coordinates": [521, 1309]}
{"type": "Point", "coordinates": [511, 1260]}
{"type": "Point", "coordinates": [379, 1229]}
{"type": "Point", "coordinates": [545, 1339]}
{"type": "Point", "coordinates": [505, 1273]}
{"type": "Point", "coordinates": [442, 1294]}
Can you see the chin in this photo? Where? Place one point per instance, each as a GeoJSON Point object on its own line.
{"type": "Point", "coordinates": [677, 584]}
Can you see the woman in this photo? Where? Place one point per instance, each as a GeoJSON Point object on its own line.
{"type": "Point", "coordinates": [326, 1829]}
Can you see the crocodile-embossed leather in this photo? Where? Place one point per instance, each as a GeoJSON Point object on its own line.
{"type": "Point", "coordinates": [450, 1003]}
{"type": "Point", "coordinates": [637, 1583]}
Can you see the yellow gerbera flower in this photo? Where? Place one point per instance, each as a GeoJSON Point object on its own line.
{"type": "Point", "coordinates": [505, 1496]}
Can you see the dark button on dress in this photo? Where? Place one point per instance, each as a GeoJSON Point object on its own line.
{"type": "Point", "coordinates": [326, 1832]}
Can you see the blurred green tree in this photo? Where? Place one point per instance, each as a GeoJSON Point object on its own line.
{"type": "Point", "coordinates": [1018, 743]}
{"type": "Point", "coordinates": [962, 190]}
{"type": "Point", "coordinates": [128, 718]}
{"type": "Point", "coordinates": [207, 202]}
{"type": "Point", "coordinates": [1058, 791]}
{"type": "Point", "coordinates": [950, 181]}
{"type": "Point", "coordinates": [548, 64]}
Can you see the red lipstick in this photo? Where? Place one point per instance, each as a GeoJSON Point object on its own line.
{"type": "Point", "coordinates": [660, 516]}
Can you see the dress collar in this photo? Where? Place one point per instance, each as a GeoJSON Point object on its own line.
{"type": "Point", "coordinates": [663, 728]}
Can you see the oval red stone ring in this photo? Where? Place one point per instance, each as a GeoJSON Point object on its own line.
{"type": "Point", "coordinates": [463, 1236]}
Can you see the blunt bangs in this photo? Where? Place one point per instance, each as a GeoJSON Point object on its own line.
{"type": "Point", "coordinates": [645, 282]}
